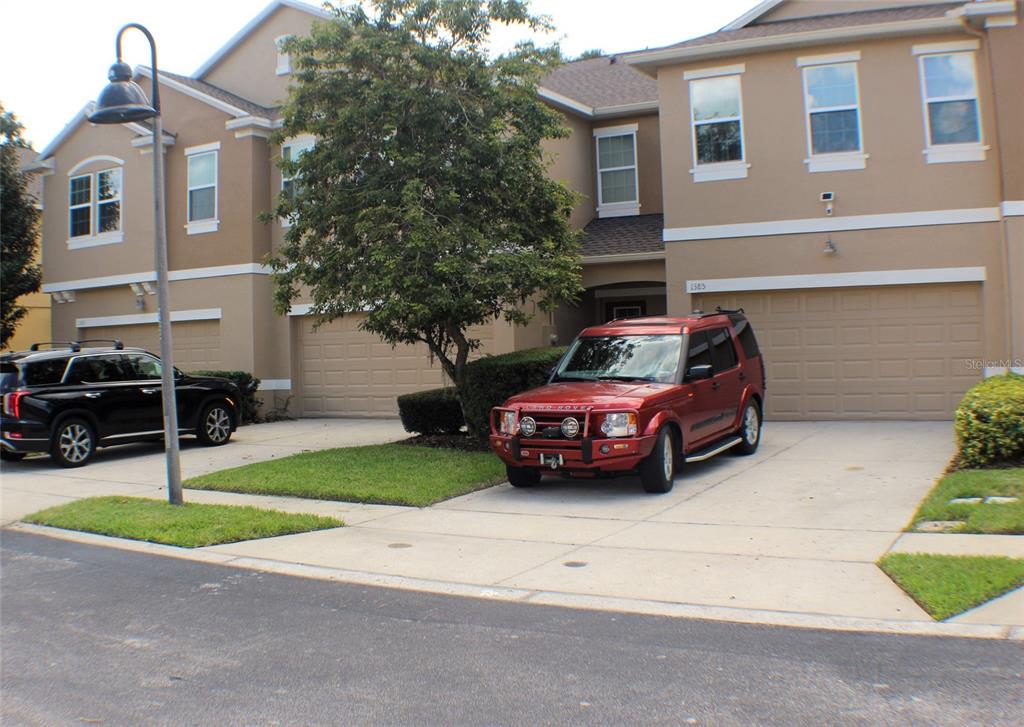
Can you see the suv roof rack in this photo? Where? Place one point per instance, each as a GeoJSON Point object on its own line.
{"type": "Point", "coordinates": [73, 345]}
{"type": "Point", "coordinates": [118, 346]}
{"type": "Point", "coordinates": [720, 309]}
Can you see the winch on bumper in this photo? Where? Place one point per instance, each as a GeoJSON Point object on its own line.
{"type": "Point", "coordinates": [545, 449]}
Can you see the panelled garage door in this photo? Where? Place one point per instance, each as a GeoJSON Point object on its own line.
{"type": "Point", "coordinates": [892, 352]}
{"type": "Point", "coordinates": [347, 372]}
{"type": "Point", "coordinates": [196, 343]}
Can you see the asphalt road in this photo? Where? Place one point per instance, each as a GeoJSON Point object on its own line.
{"type": "Point", "coordinates": [95, 635]}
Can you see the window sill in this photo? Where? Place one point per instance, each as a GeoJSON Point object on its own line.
{"type": "Point", "coordinates": [619, 209]}
{"type": "Point", "coordinates": [284, 71]}
{"type": "Point", "coordinates": [720, 172]}
{"type": "Point", "coordinates": [107, 238]}
{"type": "Point", "coordinates": [840, 162]}
{"type": "Point", "coordinates": [201, 227]}
{"type": "Point", "coordinates": [950, 153]}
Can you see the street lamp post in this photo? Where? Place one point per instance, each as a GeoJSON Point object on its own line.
{"type": "Point", "coordinates": [122, 101]}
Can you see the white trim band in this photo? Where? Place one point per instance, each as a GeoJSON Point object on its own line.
{"type": "Point", "coordinates": [625, 257]}
{"type": "Point", "coordinates": [92, 160]}
{"type": "Point", "coordinates": [300, 309]}
{"type": "Point", "coordinates": [833, 224]}
{"type": "Point", "coordinates": [111, 281]}
{"type": "Point", "coordinates": [202, 148]}
{"type": "Point", "coordinates": [713, 72]}
{"type": "Point", "coordinates": [827, 58]}
{"type": "Point", "coordinates": [177, 316]}
{"type": "Point", "coordinates": [837, 280]}
{"type": "Point", "coordinates": [620, 130]}
{"type": "Point", "coordinates": [951, 46]}
{"type": "Point", "coordinates": [1013, 208]}
{"type": "Point", "coordinates": [275, 385]}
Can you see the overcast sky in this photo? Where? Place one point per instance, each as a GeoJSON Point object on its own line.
{"type": "Point", "coordinates": [54, 54]}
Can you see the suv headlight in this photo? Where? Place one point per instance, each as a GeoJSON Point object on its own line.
{"type": "Point", "coordinates": [507, 422]}
{"type": "Point", "coordinates": [619, 424]}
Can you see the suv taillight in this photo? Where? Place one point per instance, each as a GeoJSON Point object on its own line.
{"type": "Point", "coordinates": [12, 403]}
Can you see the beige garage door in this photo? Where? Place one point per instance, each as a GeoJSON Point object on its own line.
{"type": "Point", "coordinates": [348, 372]}
{"type": "Point", "coordinates": [893, 352]}
{"type": "Point", "coordinates": [196, 343]}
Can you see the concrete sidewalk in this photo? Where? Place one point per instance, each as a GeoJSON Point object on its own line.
{"type": "Point", "coordinates": [794, 529]}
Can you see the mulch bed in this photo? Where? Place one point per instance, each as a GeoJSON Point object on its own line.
{"type": "Point", "coordinates": [460, 442]}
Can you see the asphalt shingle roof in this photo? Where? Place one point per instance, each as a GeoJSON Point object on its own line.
{"type": "Point", "coordinates": [251, 108]}
{"type": "Point", "coordinates": [821, 22]}
{"type": "Point", "coordinates": [602, 82]}
{"type": "Point", "coordinates": [622, 235]}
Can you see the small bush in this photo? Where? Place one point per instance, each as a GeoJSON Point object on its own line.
{"type": "Point", "coordinates": [247, 384]}
{"type": "Point", "coordinates": [990, 422]}
{"type": "Point", "coordinates": [434, 411]}
{"type": "Point", "coordinates": [492, 379]}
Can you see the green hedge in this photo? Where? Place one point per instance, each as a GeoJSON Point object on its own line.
{"type": "Point", "coordinates": [990, 422]}
{"type": "Point", "coordinates": [434, 411]}
{"type": "Point", "coordinates": [492, 379]}
{"type": "Point", "coordinates": [247, 384]}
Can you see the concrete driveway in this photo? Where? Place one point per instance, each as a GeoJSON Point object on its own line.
{"type": "Point", "coordinates": [138, 469]}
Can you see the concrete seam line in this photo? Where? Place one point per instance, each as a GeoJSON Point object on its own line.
{"type": "Point", "coordinates": [546, 598]}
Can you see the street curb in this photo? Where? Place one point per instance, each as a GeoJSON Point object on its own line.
{"type": "Point", "coordinates": [546, 598]}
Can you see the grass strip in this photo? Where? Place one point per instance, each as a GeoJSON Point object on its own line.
{"type": "Point", "coordinates": [945, 585]}
{"type": "Point", "coordinates": [389, 474]}
{"type": "Point", "coordinates": [1005, 519]}
{"type": "Point", "coordinates": [191, 525]}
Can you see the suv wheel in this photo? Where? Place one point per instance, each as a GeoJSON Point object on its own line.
{"type": "Point", "coordinates": [657, 470]}
{"type": "Point", "coordinates": [750, 429]}
{"type": "Point", "coordinates": [73, 443]}
{"type": "Point", "coordinates": [214, 425]}
{"type": "Point", "coordinates": [522, 476]}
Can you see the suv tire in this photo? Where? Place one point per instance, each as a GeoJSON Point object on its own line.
{"type": "Point", "coordinates": [522, 476]}
{"type": "Point", "coordinates": [750, 429]}
{"type": "Point", "coordinates": [74, 443]}
{"type": "Point", "coordinates": [658, 469]}
{"type": "Point", "coordinates": [214, 425]}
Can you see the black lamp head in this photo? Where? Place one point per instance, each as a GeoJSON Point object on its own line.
{"type": "Point", "coordinates": [122, 100]}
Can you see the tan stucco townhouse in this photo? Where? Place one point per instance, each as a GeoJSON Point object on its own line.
{"type": "Point", "coordinates": [850, 173]}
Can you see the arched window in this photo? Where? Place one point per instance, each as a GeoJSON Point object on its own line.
{"type": "Point", "coordinates": [94, 202]}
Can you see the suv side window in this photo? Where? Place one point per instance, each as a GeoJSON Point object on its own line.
{"type": "Point", "coordinates": [142, 368]}
{"type": "Point", "coordinates": [98, 370]}
{"type": "Point", "coordinates": [745, 332]}
{"type": "Point", "coordinates": [723, 353]}
{"type": "Point", "coordinates": [40, 373]}
{"type": "Point", "coordinates": [699, 351]}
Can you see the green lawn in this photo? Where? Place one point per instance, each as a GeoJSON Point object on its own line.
{"type": "Point", "coordinates": [945, 585]}
{"type": "Point", "coordinates": [980, 518]}
{"type": "Point", "coordinates": [390, 474]}
{"type": "Point", "coordinates": [188, 526]}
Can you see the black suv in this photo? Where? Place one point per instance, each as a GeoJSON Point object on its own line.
{"type": "Point", "coordinates": [68, 400]}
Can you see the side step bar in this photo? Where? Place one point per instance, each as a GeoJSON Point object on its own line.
{"type": "Point", "coordinates": [714, 449]}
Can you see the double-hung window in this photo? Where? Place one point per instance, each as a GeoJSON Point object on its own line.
{"type": "Point", "coordinates": [716, 108]}
{"type": "Point", "coordinates": [202, 188]}
{"type": "Point", "coordinates": [291, 151]}
{"type": "Point", "coordinates": [94, 208]}
{"type": "Point", "coordinates": [949, 91]}
{"type": "Point", "coordinates": [284, 59]}
{"type": "Point", "coordinates": [617, 189]}
{"type": "Point", "coordinates": [832, 105]}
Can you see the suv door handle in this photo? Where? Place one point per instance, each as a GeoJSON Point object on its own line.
{"type": "Point", "coordinates": [715, 385]}
{"type": "Point", "coordinates": [93, 395]}
{"type": "Point", "coordinates": [743, 376]}
{"type": "Point", "coordinates": [150, 391]}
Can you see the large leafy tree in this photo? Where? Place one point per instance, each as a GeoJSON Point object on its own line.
{"type": "Point", "coordinates": [425, 202]}
{"type": "Point", "coordinates": [19, 229]}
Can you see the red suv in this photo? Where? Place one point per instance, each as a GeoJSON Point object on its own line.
{"type": "Point", "coordinates": [638, 394]}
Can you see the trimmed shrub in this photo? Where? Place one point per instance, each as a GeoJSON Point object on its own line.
{"type": "Point", "coordinates": [990, 422]}
{"type": "Point", "coordinates": [434, 411]}
{"type": "Point", "coordinates": [247, 384]}
{"type": "Point", "coordinates": [492, 379]}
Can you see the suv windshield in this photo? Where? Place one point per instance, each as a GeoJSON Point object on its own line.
{"type": "Point", "coordinates": [622, 358]}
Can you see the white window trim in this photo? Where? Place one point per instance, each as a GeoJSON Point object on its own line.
{"type": "Point", "coordinates": [626, 208]}
{"type": "Point", "coordinates": [284, 60]}
{"type": "Point", "coordinates": [303, 140]}
{"type": "Point", "coordinates": [719, 171]}
{"type": "Point", "coordinates": [917, 276]}
{"type": "Point", "coordinates": [950, 153]}
{"type": "Point", "coordinates": [828, 59]}
{"type": "Point", "coordinates": [200, 227]}
{"type": "Point", "coordinates": [836, 161]}
{"type": "Point", "coordinates": [699, 73]}
{"type": "Point", "coordinates": [94, 238]}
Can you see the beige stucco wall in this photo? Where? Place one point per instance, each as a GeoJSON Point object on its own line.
{"type": "Point", "coordinates": [627, 272]}
{"type": "Point", "coordinates": [941, 246]}
{"type": "Point", "coordinates": [897, 177]}
{"type": "Point", "coordinates": [250, 69]}
{"type": "Point", "coordinates": [573, 164]}
{"type": "Point", "coordinates": [1006, 50]}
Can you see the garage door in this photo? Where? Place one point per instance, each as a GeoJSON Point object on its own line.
{"type": "Point", "coordinates": [196, 343]}
{"type": "Point", "coordinates": [348, 372]}
{"type": "Point", "coordinates": [893, 352]}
